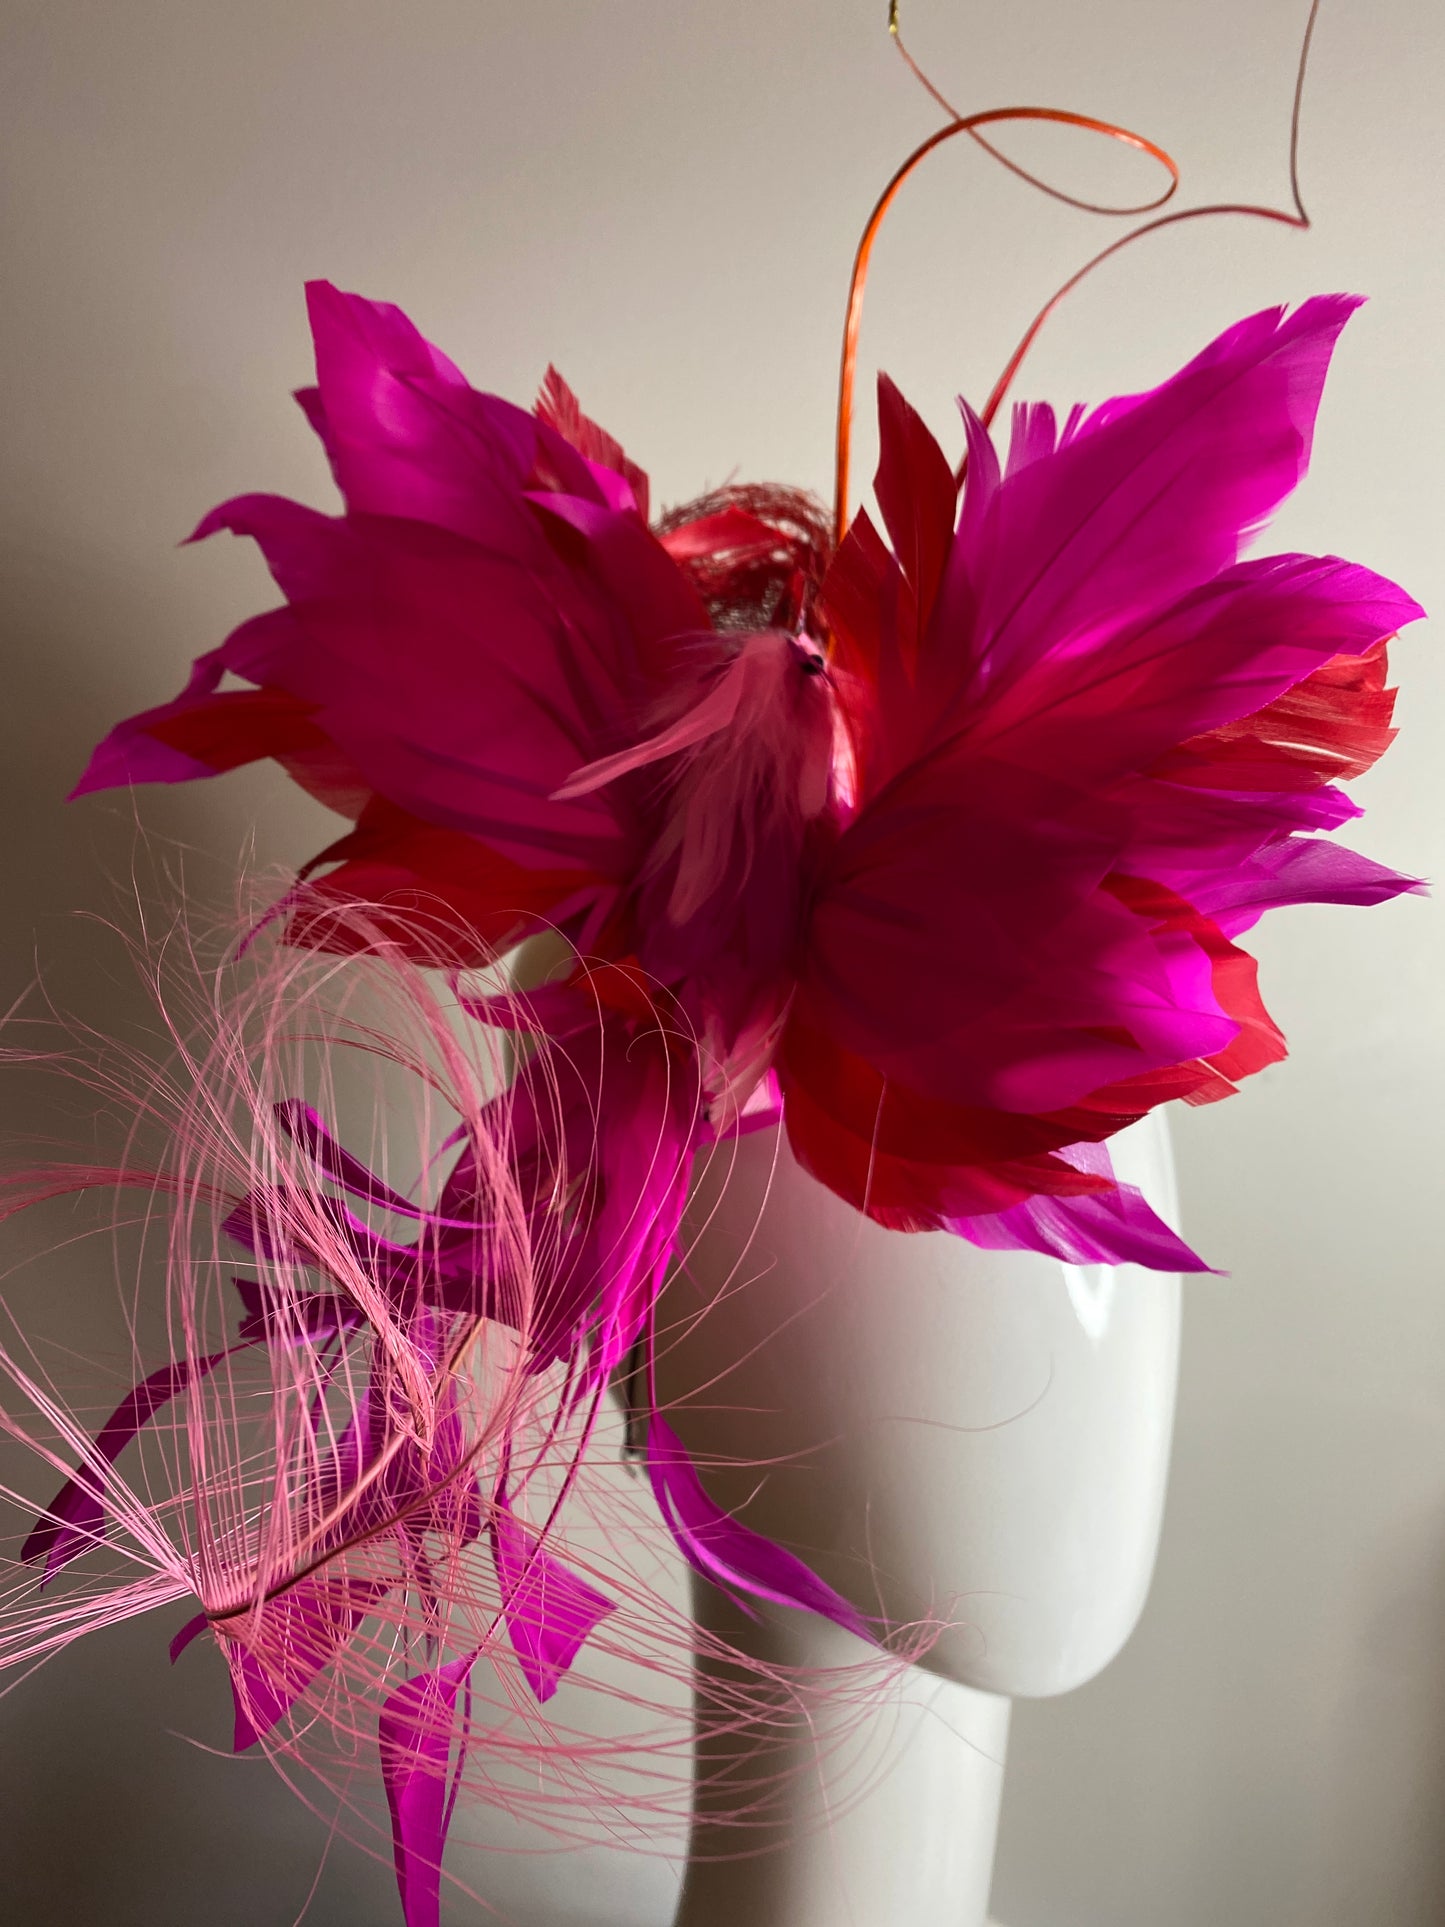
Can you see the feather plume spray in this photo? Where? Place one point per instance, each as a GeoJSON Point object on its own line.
{"type": "Point", "coordinates": [930, 835]}
{"type": "Point", "coordinates": [948, 872]}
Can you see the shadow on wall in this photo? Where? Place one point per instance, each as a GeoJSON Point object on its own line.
{"type": "Point", "coordinates": [81, 647]}
{"type": "Point", "coordinates": [1331, 1815]}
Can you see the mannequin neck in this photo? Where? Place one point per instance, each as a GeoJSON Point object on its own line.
{"type": "Point", "coordinates": [867, 1801]}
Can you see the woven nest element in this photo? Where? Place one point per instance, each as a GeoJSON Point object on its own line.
{"type": "Point", "coordinates": [750, 586]}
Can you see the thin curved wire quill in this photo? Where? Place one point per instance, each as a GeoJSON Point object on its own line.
{"type": "Point", "coordinates": [1294, 216]}
{"type": "Point", "coordinates": [1023, 173]}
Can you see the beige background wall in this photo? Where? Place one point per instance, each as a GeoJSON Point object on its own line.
{"type": "Point", "coordinates": [663, 199]}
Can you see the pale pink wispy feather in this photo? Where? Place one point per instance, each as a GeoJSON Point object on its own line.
{"type": "Point", "coordinates": [354, 1472]}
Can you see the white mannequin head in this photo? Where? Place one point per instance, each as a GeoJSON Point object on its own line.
{"type": "Point", "coordinates": [979, 1438]}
